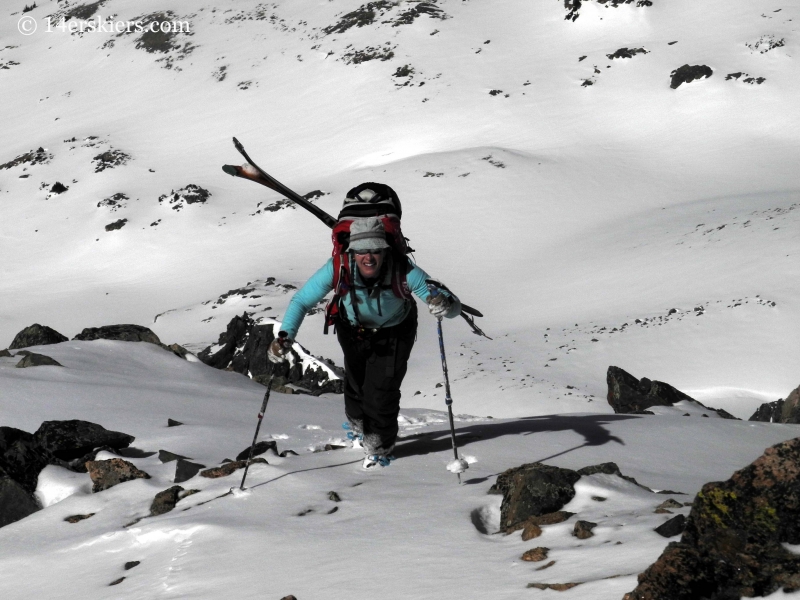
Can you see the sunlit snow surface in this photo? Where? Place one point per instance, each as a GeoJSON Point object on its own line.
{"type": "Point", "coordinates": [619, 223]}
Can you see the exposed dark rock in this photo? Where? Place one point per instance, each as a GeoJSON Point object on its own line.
{"type": "Point", "coordinates": [114, 202]}
{"type": "Point", "coordinates": [583, 529]}
{"type": "Point", "coordinates": [610, 468]}
{"type": "Point", "coordinates": [532, 490]}
{"type": "Point", "coordinates": [109, 160]}
{"type": "Point", "coordinates": [191, 194]}
{"type": "Point", "coordinates": [260, 448]}
{"type": "Point", "coordinates": [173, 423]}
{"type": "Point", "coordinates": [532, 527]}
{"type": "Point", "coordinates": [732, 545]}
{"type": "Point", "coordinates": [58, 188]}
{"type": "Point", "coordinates": [124, 333]}
{"type": "Point", "coordinates": [108, 473]}
{"type": "Point", "coordinates": [573, 7]}
{"type": "Point", "coordinates": [132, 563]}
{"type": "Point", "coordinates": [243, 348]}
{"type": "Point", "coordinates": [289, 597]}
{"type": "Point", "coordinates": [687, 73]}
{"type": "Point", "coordinates": [34, 157]}
{"type": "Point", "coordinates": [21, 457]}
{"type": "Point", "coordinates": [558, 587]}
{"type": "Point", "coordinates": [118, 224]}
{"type": "Point", "coordinates": [116, 581]}
{"type": "Point", "coordinates": [628, 395]}
{"type": "Point", "coordinates": [228, 468]}
{"type": "Point", "coordinates": [78, 518]}
{"type": "Point", "coordinates": [626, 53]}
{"type": "Point", "coordinates": [334, 497]}
{"type": "Point", "coordinates": [31, 359]}
{"type": "Point", "coordinates": [536, 554]}
{"type": "Point", "coordinates": [780, 411]}
{"type": "Point", "coordinates": [69, 440]}
{"type": "Point", "coordinates": [672, 527]}
{"type": "Point", "coordinates": [36, 335]}
{"type": "Point", "coordinates": [185, 470]}
{"type": "Point", "coordinates": [15, 502]}
{"type": "Point", "coordinates": [669, 503]}
{"type": "Point", "coordinates": [165, 501]}
{"type": "Point", "coordinates": [5, 354]}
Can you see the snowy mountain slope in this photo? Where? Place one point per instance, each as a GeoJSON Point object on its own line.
{"type": "Point", "coordinates": [437, 538]}
{"type": "Point", "coordinates": [563, 185]}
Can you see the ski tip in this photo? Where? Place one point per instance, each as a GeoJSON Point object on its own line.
{"type": "Point", "coordinates": [229, 169]}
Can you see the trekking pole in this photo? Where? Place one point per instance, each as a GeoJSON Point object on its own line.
{"type": "Point", "coordinates": [260, 418]}
{"type": "Point", "coordinates": [458, 465]}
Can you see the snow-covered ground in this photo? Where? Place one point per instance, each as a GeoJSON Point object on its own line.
{"type": "Point", "coordinates": [576, 217]}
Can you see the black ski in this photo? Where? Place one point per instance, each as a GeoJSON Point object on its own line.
{"type": "Point", "coordinates": [265, 179]}
{"type": "Point", "coordinates": [259, 175]}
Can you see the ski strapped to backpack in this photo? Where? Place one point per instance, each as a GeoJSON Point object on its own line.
{"type": "Point", "coordinates": [255, 173]}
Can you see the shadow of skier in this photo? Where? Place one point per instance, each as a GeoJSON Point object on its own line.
{"type": "Point", "coordinates": [591, 427]}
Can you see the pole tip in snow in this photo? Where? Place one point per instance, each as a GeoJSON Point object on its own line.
{"type": "Point", "coordinates": [229, 169]}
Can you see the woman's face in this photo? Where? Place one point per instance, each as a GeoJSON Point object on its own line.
{"type": "Point", "coordinates": [369, 263]}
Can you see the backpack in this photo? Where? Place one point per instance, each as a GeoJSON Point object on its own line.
{"type": "Point", "coordinates": [368, 200]}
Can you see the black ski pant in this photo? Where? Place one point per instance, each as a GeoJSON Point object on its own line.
{"type": "Point", "coordinates": [375, 363]}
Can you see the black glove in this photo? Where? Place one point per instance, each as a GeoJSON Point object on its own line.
{"type": "Point", "coordinates": [279, 348]}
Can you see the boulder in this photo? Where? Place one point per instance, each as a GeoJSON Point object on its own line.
{"type": "Point", "coordinates": [74, 439]}
{"type": "Point", "coordinates": [688, 73]}
{"type": "Point", "coordinates": [583, 529]}
{"type": "Point", "coordinates": [733, 542]}
{"type": "Point", "coordinates": [5, 354]}
{"type": "Point", "coordinates": [780, 411]}
{"type": "Point", "coordinates": [31, 359]}
{"type": "Point", "coordinates": [260, 448]}
{"type": "Point", "coordinates": [15, 502]}
{"type": "Point", "coordinates": [37, 335]}
{"type": "Point", "coordinates": [672, 527]}
{"type": "Point", "coordinates": [123, 333]}
{"type": "Point", "coordinates": [243, 348]}
{"type": "Point", "coordinates": [532, 490]}
{"type": "Point", "coordinates": [165, 501]}
{"type": "Point", "coordinates": [108, 473]}
{"type": "Point", "coordinates": [21, 458]}
{"type": "Point", "coordinates": [535, 554]}
{"type": "Point", "coordinates": [628, 395]}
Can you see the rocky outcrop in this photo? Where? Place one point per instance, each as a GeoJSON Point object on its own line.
{"type": "Point", "coordinates": [124, 333]}
{"type": "Point", "coordinates": [780, 411]}
{"type": "Point", "coordinates": [106, 474]}
{"type": "Point", "coordinates": [733, 543]}
{"type": "Point", "coordinates": [165, 501]}
{"type": "Point", "coordinates": [628, 395]}
{"type": "Point", "coordinates": [23, 455]}
{"type": "Point", "coordinates": [259, 448]}
{"type": "Point", "coordinates": [243, 348]}
{"type": "Point", "coordinates": [36, 335]}
{"type": "Point", "coordinates": [31, 359]}
{"type": "Point", "coordinates": [583, 529]}
{"type": "Point", "coordinates": [129, 333]}
{"type": "Point", "coordinates": [687, 74]}
{"type": "Point", "coordinates": [74, 439]}
{"type": "Point", "coordinates": [532, 490]}
{"type": "Point", "coordinates": [15, 502]}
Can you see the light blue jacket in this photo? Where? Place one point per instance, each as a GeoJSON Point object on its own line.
{"type": "Point", "coordinates": [373, 312]}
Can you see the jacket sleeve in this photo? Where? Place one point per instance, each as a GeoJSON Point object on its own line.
{"type": "Point", "coordinates": [314, 290]}
{"type": "Point", "coordinates": [417, 281]}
